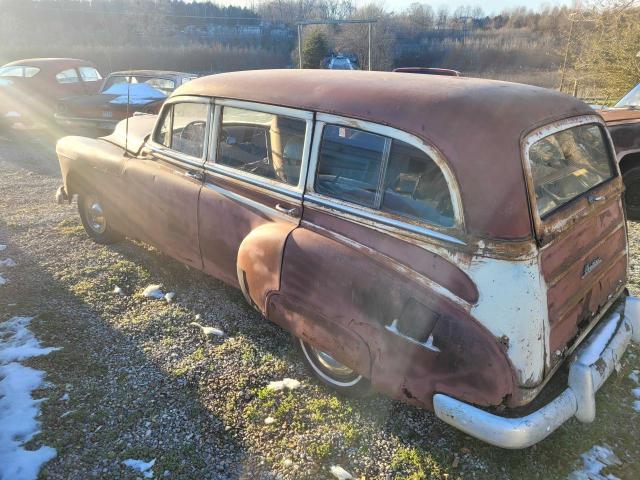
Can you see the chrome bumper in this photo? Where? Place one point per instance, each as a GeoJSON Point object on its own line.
{"type": "Point", "coordinates": [590, 367]}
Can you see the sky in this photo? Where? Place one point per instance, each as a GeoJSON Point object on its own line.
{"type": "Point", "coordinates": [489, 6]}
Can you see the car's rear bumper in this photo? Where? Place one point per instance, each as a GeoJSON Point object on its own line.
{"type": "Point", "coordinates": [591, 365]}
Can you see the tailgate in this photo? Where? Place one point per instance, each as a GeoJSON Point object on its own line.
{"type": "Point", "coordinates": [576, 197]}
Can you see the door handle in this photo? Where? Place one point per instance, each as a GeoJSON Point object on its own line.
{"type": "Point", "coordinates": [292, 212]}
{"type": "Point", "coordinates": [195, 175]}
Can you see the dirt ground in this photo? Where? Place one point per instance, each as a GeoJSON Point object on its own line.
{"type": "Point", "coordinates": [144, 383]}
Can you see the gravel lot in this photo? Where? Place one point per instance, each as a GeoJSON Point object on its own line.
{"type": "Point", "coordinates": [144, 383]}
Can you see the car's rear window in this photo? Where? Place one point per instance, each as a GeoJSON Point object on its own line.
{"type": "Point", "coordinates": [568, 163]}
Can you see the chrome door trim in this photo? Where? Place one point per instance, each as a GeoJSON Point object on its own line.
{"type": "Point", "coordinates": [383, 221]}
{"type": "Point", "coordinates": [271, 212]}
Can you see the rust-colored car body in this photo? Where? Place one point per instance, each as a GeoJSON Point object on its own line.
{"type": "Point", "coordinates": [31, 100]}
{"type": "Point", "coordinates": [507, 289]}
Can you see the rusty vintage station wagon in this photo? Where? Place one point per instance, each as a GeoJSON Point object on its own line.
{"type": "Point", "coordinates": [451, 242]}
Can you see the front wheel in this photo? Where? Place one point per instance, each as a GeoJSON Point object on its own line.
{"type": "Point", "coordinates": [95, 219]}
{"type": "Point", "coordinates": [631, 180]}
{"type": "Point", "coordinates": [331, 372]}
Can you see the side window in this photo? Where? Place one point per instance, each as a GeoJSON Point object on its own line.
{"type": "Point", "coordinates": [90, 74]}
{"type": "Point", "coordinates": [31, 71]}
{"type": "Point", "coordinates": [414, 186]}
{"type": "Point", "coordinates": [350, 164]}
{"type": "Point", "coordinates": [260, 143]}
{"type": "Point", "coordinates": [382, 173]}
{"type": "Point", "coordinates": [189, 128]}
{"type": "Point", "coordinates": [68, 76]}
{"type": "Point", "coordinates": [163, 134]}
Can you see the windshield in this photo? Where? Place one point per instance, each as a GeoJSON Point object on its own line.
{"type": "Point", "coordinates": [631, 99]}
{"type": "Point", "coordinates": [566, 164]}
{"type": "Point", "coordinates": [166, 85]}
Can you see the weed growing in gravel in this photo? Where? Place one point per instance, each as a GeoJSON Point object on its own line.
{"type": "Point", "coordinates": [411, 463]}
{"type": "Point", "coordinates": [70, 227]}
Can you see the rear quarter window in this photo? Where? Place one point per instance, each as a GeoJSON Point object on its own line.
{"type": "Point", "coordinates": [384, 174]}
{"type": "Point", "coordinates": [566, 164]}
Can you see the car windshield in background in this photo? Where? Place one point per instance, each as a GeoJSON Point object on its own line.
{"type": "Point", "coordinates": [631, 99]}
{"type": "Point", "coordinates": [567, 164]}
{"type": "Point", "coordinates": [165, 85]}
{"type": "Point", "coordinates": [19, 71]}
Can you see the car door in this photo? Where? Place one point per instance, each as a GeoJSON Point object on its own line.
{"type": "Point", "coordinates": [368, 274]}
{"type": "Point", "coordinates": [164, 185]}
{"type": "Point", "coordinates": [252, 194]}
{"type": "Point", "coordinates": [69, 83]}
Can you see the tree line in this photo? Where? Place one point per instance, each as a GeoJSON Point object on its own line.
{"type": "Point", "coordinates": [594, 45]}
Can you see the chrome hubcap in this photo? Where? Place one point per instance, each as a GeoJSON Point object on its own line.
{"type": "Point", "coordinates": [331, 364]}
{"type": "Point", "coordinates": [95, 215]}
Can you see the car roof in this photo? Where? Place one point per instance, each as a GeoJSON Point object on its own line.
{"type": "Point", "coordinates": [477, 124]}
{"type": "Point", "coordinates": [50, 62]}
{"type": "Point", "coordinates": [154, 73]}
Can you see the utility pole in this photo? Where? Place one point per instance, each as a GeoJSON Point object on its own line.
{"type": "Point", "coordinates": [369, 47]}
{"type": "Point", "coordinates": [566, 52]}
{"type": "Point", "coordinates": [300, 45]}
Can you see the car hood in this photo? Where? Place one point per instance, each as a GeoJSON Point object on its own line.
{"type": "Point", "coordinates": [133, 134]}
{"type": "Point", "coordinates": [619, 114]}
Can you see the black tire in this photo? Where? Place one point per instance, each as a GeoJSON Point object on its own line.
{"type": "Point", "coordinates": [631, 180]}
{"type": "Point", "coordinates": [347, 383]}
{"type": "Point", "coordinates": [95, 220]}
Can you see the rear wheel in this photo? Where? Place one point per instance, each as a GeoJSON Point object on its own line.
{"type": "Point", "coordinates": [95, 219]}
{"type": "Point", "coordinates": [631, 180]}
{"type": "Point", "coordinates": [331, 372]}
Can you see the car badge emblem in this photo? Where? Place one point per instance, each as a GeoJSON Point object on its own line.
{"type": "Point", "coordinates": [590, 266]}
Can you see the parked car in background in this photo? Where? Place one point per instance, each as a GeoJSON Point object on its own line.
{"type": "Point", "coordinates": [455, 276]}
{"type": "Point", "coordinates": [30, 89]}
{"type": "Point", "coordinates": [623, 122]}
{"type": "Point", "coordinates": [121, 95]}
{"type": "Point", "coordinates": [340, 62]}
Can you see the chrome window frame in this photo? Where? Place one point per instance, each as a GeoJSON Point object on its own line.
{"type": "Point", "coordinates": [551, 129]}
{"type": "Point", "coordinates": [211, 164]}
{"type": "Point", "coordinates": [173, 155]}
{"type": "Point", "coordinates": [386, 219]}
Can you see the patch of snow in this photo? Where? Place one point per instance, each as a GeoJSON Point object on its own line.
{"type": "Point", "coordinates": [117, 290]}
{"type": "Point", "coordinates": [208, 331]}
{"type": "Point", "coordinates": [592, 353]}
{"type": "Point", "coordinates": [594, 461]}
{"type": "Point", "coordinates": [7, 262]}
{"type": "Point", "coordinates": [2, 247]}
{"type": "Point", "coordinates": [18, 410]}
{"type": "Point", "coordinates": [169, 296]}
{"type": "Point", "coordinates": [284, 384]}
{"type": "Point", "coordinates": [269, 420]}
{"type": "Point", "coordinates": [64, 398]}
{"type": "Point", "coordinates": [634, 376]}
{"type": "Point", "coordinates": [141, 466]}
{"type": "Point", "coordinates": [69, 412]}
{"type": "Point", "coordinates": [20, 343]}
{"type": "Point", "coordinates": [3, 280]}
{"type": "Point", "coordinates": [340, 473]}
{"type": "Point", "coordinates": [153, 291]}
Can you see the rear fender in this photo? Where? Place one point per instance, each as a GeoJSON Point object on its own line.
{"type": "Point", "coordinates": [259, 262]}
